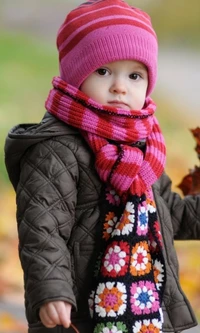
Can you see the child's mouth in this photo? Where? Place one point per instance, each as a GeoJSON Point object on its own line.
{"type": "Point", "coordinates": [119, 105]}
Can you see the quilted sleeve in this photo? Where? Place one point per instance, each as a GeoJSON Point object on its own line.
{"type": "Point", "coordinates": [46, 201]}
{"type": "Point", "coordinates": [185, 212]}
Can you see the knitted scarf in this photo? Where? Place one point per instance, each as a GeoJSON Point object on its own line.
{"type": "Point", "coordinates": [130, 273]}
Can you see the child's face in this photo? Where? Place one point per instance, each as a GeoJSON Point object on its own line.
{"type": "Point", "coordinates": [122, 84]}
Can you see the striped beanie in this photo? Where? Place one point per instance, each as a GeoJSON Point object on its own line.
{"type": "Point", "coordinates": [102, 31]}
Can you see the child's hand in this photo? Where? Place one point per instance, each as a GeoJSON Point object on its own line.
{"type": "Point", "coordinates": [56, 313]}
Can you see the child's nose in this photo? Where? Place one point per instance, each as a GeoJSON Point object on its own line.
{"type": "Point", "coordinates": [118, 86]}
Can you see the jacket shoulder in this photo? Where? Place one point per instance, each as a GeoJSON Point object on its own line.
{"type": "Point", "coordinates": [25, 137]}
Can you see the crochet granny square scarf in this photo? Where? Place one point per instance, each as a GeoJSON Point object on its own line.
{"type": "Point", "coordinates": [130, 274]}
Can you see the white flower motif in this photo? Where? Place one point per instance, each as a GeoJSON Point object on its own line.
{"type": "Point", "coordinates": [111, 223]}
{"type": "Point", "coordinates": [114, 329]}
{"type": "Point", "coordinates": [157, 323]}
{"type": "Point", "coordinates": [110, 285]}
{"type": "Point", "coordinates": [127, 229]}
{"type": "Point", "coordinates": [158, 273]}
{"type": "Point", "coordinates": [111, 313]}
{"type": "Point", "coordinates": [106, 330]}
{"type": "Point", "coordinates": [147, 322]}
{"type": "Point", "coordinates": [122, 309]}
{"type": "Point", "coordinates": [131, 218]}
{"type": "Point", "coordinates": [121, 287]}
{"type": "Point", "coordinates": [137, 327]}
{"type": "Point", "coordinates": [151, 208]}
{"type": "Point", "coordinates": [101, 311]}
{"type": "Point", "coordinates": [116, 232]}
{"type": "Point", "coordinates": [130, 207]}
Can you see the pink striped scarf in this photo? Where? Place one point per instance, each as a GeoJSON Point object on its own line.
{"type": "Point", "coordinates": [128, 283]}
{"type": "Point", "coordinates": [111, 133]}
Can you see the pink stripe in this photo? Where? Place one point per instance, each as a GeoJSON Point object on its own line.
{"type": "Point", "coordinates": [158, 156]}
{"type": "Point", "coordinates": [122, 182]}
{"type": "Point", "coordinates": [119, 135]}
{"type": "Point", "coordinates": [71, 89]}
{"type": "Point", "coordinates": [65, 114]}
{"type": "Point", "coordinates": [147, 174]}
{"type": "Point", "coordinates": [90, 121]}
{"type": "Point", "coordinates": [109, 152]}
{"type": "Point", "coordinates": [141, 130]}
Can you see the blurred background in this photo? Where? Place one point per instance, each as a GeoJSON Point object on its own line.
{"type": "Point", "coordinates": [28, 61]}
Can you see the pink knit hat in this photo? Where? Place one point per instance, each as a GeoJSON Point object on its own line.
{"type": "Point", "coordinates": [101, 31]}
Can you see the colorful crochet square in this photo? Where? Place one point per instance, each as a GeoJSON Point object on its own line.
{"type": "Point", "coordinates": [140, 259]}
{"type": "Point", "coordinates": [109, 224]}
{"type": "Point", "coordinates": [110, 299]}
{"type": "Point", "coordinates": [142, 226]}
{"type": "Point", "coordinates": [126, 223]}
{"type": "Point", "coordinates": [158, 271]}
{"type": "Point", "coordinates": [144, 298]}
{"type": "Point", "coordinates": [116, 259]}
{"type": "Point", "coordinates": [118, 327]}
{"type": "Point", "coordinates": [147, 326]}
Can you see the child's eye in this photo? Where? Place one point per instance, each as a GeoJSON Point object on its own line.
{"type": "Point", "coordinates": [135, 76]}
{"type": "Point", "coordinates": [102, 71]}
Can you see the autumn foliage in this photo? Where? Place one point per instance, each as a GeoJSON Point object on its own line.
{"type": "Point", "coordinates": [190, 184]}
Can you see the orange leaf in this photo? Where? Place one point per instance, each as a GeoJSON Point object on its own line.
{"type": "Point", "coordinates": [190, 184]}
{"type": "Point", "coordinates": [196, 135]}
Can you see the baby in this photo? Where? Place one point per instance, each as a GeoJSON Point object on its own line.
{"type": "Point", "coordinates": [96, 214]}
